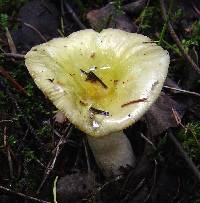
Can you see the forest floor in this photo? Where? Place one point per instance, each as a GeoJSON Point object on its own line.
{"type": "Point", "coordinates": [41, 151]}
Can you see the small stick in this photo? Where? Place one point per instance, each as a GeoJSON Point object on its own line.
{"type": "Point", "coordinates": [54, 190]}
{"type": "Point", "coordinates": [142, 18]}
{"type": "Point", "coordinates": [52, 162]}
{"type": "Point", "coordinates": [183, 91]}
{"type": "Point", "coordinates": [177, 40]}
{"type": "Point", "coordinates": [87, 155]}
{"type": "Point", "coordinates": [195, 8]}
{"type": "Point", "coordinates": [14, 83]}
{"type": "Point", "coordinates": [63, 18]}
{"type": "Point", "coordinates": [148, 140]}
{"type": "Point", "coordinates": [98, 111]}
{"type": "Point", "coordinates": [37, 31]}
{"type": "Point", "coordinates": [2, 121]}
{"type": "Point", "coordinates": [22, 195]}
{"type": "Point", "coordinates": [184, 155]}
{"type": "Point", "coordinates": [178, 121]}
{"type": "Point", "coordinates": [154, 182]}
{"type": "Point", "coordinates": [11, 42]}
{"type": "Point", "coordinates": [134, 102]}
{"type": "Point", "coordinates": [91, 77]}
{"type": "Point", "coordinates": [17, 56]}
{"type": "Point", "coordinates": [75, 17]}
{"type": "Point", "coordinates": [7, 147]}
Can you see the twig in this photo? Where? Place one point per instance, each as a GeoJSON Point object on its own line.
{"type": "Point", "coordinates": [178, 190]}
{"type": "Point", "coordinates": [178, 121]}
{"type": "Point", "coordinates": [177, 41]}
{"type": "Point", "coordinates": [134, 191]}
{"type": "Point", "coordinates": [86, 154]}
{"type": "Point", "coordinates": [148, 140]}
{"type": "Point", "coordinates": [17, 56]}
{"type": "Point", "coordinates": [134, 102]}
{"type": "Point", "coordinates": [100, 188]}
{"type": "Point", "coordinates": [154, 183]}
{"type": "Point", "coordinates": [54, 190]}
{"type": "Point", "coordinates": [161, 38]}
{"type": "Point", "coordinates": [75, 17]}
{"type": "Point", "coordinates": [22, 195]}
{"type": "Point", "coordinates": [195, 8]}
{"type": "Point", "coordinates": [2, 121]}
{"type": "Point", "coordinates": [142, 18]}
{"type": "Point", "coordinates": [181, 90]}
{"type": "Point", "coordinates": [184, 155]}
{"type": "Point", "coordinates": [14, 83]}
{"type": "Point", "coordinates": [11, 42]}
{"type": "Point", "coordinates": [37, 31]}
{"type": "Point", "coordinates": [177, 117]}
{"type": "Point", "coordinates": [7, 147]}
{"type": "Point", "coordinates": [63, 18]}
{"type": "Point", "coordinates": [57, 151]}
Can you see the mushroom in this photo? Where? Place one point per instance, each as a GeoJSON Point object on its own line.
{"type": "Point", "coordinates": [103, 83]}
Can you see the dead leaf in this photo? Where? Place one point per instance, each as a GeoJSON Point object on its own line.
{"type": "Point", "coordinates": [43, 16]}
{"type": "Point", "coordinates": [135, 7]}
{"type": "Point", "coordinates": [169, 82]}
{"type": "Point", "coordinates": [60, 117]}
{"type": "Point", "coordinates": [160, 116]}
{"type": "Point", "coordinates": [108, 17]}
{"type": "Point", "coordinates": [72, 188]}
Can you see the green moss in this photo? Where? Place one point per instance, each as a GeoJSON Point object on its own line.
{"type": "Point", "coordinates": [3, 2]}
{"type": "Point", "coordinates": [3, 20]}
{"type": "Point", "coordinates": [177, 15]}
{"type": "Point", "coordinates": [3, 100]}
{"type": "Point", "coordinates": [29, 155]}
{"type": "Point", "coordinates": [12, 140]}
{"type": "Point", "coordinates": [146, 18]}
{"type": "Point", "coordinates": [44, 132]}
{"type": "Point", "coordinates": [190, 138]}
{"type": "Point", "coordinates": [118, 5]}
{"type": "Point", "coordinates": [81, 6]}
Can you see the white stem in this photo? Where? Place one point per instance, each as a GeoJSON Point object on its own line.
{"type": "Point", "coordinates": [112, 152]}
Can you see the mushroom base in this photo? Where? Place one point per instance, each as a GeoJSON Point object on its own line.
{"type": "Point", "coordinates": [112, 152]}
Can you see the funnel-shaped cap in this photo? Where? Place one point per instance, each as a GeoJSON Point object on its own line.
{"type": "Point", "coordinates": [103, 82]}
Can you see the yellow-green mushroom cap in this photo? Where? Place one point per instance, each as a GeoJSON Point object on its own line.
{"type": "Point", "coordinates": [103, 82]}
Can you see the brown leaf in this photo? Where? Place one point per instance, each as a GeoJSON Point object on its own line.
{"type": "Point", "coordinates": [43, 16]}
{"type": "Point", "coordinates": [161, 116]}
{"type": "Point", "coordinates": [169, 82]}
{"type": "Point", "coordinates": [72, 188]}
{"type": "Point", "coordinates": [135, 7]}
{"type": "Point", "coordinates": [109, 17]}
{"type": "Point", "coordinates": [60, 117]}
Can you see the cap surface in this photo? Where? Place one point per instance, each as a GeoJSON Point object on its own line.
{"type": "Point", "coordinates": [103, 82]}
